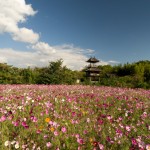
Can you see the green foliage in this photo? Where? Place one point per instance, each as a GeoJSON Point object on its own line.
{"type": "Point", "coordinates": [135, 75]}
{"type": "Point", "coordinates": [55, 73]}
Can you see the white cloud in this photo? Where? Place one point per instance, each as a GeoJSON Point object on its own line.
{"type": "Point", "coordinates": [44, 48]}
{"type": "Point", "coordinates": [13, 12]}
{"type": "Point", "coordinates": [25, 35]}
{"type": "Point", "coordinates": [91, 51]}
{"type": "Point", "coordinates": [72, 59]}
{"type": "Point", "coordinates": [103, 63]}
{"type": "Point", "coordinates": [110, 62]}
{"type": "Point", "coordinates": [3, 59]}
{"type": "Point", "coordinates": [113, 62]}
{"type": "Point", "coordinates": [69, 53]}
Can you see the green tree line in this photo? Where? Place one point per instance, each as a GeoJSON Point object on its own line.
{"type": "Point", "coordinates": [134, 75]}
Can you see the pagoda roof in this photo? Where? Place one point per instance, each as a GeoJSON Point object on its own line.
{"type": "Point", "coordinates": [92, 69]}
{"type": "Point", "coordinates": [93, 60]}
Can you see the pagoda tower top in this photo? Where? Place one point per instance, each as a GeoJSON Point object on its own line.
{"type": "Point", "coordinates": [92, 60]}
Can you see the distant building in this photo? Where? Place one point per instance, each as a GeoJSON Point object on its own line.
{"type": "Point", "coordinates": [92, 71]}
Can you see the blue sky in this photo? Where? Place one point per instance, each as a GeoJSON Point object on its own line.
{"type": "Point", "coordinates": [114, 31]}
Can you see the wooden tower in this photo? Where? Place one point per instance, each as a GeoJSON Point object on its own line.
{"type": "Point", "coordinates": [92, 72]}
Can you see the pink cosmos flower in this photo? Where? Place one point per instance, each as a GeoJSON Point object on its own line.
{"type": "Point", "coordinates": [48, 144]}
{"type": "Point", "coordinates": [51, 123]}
{"type": "Point", "coordinates": [141, 145]}
{"type": "Point", "coordinates": [55, 133]}
{"type": "Point", "coordinates": [88, 120]}
{"type": "Point", "coordinates": [148, 147]}
{"type": "Point", "coordinates": [63, 129]}
{"type": "Point", "coordinates": [10, 117]}
{"type": "Point", "coordinates": [38, 131]}
{"type": "Point", "coordinates": [42, 113]}
{"type": "Point", "coordinates": [33, 118]}
{"type": "Point", "coordinates": [85, 131]}
{"type": "Point", "coordinates": [109, 117]}
{"type": "Point", "coordinates": [3, 118]}
{"type": "Point", "coordinates": [101, 147]}
{"type": "Point", "coordinates": [120, 118]}
{"type": "Point", "coordinates": [128, 128]}
{"type": "Point", "coordinates": [45, 136]}
{"type": "Point", "coordinates": [77, 135]}
{"type": "Point", "coordinates": [47, 112]}
{"type": "Point", "coordinates": [15, 123]}
{"type": "Point", "coordinates": [79, 148]}
{"type": "Point", "coordinates": [80, 141]}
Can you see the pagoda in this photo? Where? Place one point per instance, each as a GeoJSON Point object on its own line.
{"type": "Point", "coordinates": [92, 71]}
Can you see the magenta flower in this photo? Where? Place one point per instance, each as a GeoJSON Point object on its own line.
{"type": "Point", "coordinates": [24, 124]}
{"type": "Point", "coordinates": [73, 114]}
{"type": "Point", "coordinates": [100, 121]}
{"type": "Point", "coordinates": [134, 142]}
{"type": "Point", "coordinates": [33, 118]}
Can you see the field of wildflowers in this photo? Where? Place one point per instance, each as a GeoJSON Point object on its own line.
{"type": "Point", "coordinates": [74, 117]}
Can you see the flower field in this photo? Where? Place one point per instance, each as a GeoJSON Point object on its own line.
{"type": "Point", "coordinates": [74, 117]}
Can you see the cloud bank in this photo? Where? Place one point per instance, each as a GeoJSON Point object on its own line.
{"type": "Point", "coordinates": [71, 55]}
{"type": "Point", "coordinates": [13, 12]}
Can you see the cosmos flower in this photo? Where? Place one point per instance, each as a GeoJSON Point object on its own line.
{"type": "Point", "coordinates": [55, 133]}
{"type": "Point", "coordinates": [49, 144]}
{"type": "Point", "coordinates": [3, 118]}
{"type": "Point", "coordinates": [134, 142]}
{"type": "Point", "coordinates": [52, 129]}
{"type": "Point", "coordinates": [7, 143]}
{"type": "Point", "coordinates": [24, 124]}
{"type": "Point", "coordinates": [16, 145]}
{"type": "Point", "coordinates": [47, 120]}
{"type": "Point", "coordinates": [63, 129]}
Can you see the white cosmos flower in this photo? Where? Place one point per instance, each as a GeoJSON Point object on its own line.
{"type": "Point", "coordinates": [20, 107]}
{"type": "Point", "coordinates": [7, 107]}
{"type": "Point", "coordinates": [28, 98]}
{"type": "Point", "coordinates": [17, 145]}
{"type": "Point", "coordinates": [7, 143]}
{"type": "Point", "coordinates": [56, 99]}
{"type": "Point", "coordinates": [63, 100]}
{"type": "Point", "coordinates": [13, 142]}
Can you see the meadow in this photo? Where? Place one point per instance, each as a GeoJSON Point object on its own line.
{"type": "Point", "coordinates": [74, 117]}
